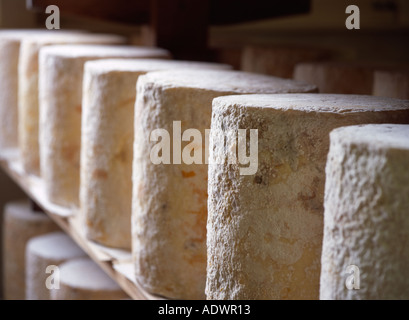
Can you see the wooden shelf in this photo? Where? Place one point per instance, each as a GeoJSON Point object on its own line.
{"type": "Point", "coordinates": [116, 263]}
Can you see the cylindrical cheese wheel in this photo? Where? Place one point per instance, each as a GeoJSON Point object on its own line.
{"type": "Point", "coordinates": [107, 144]}
{"type": "Point", "coordinates": [365, 251]}
{"type": "Point", "coordinates": [28, 88]}
{"type": "Point", "coordinates": [170, 200]}
{"type": "Point", "coordinates": [278, 61]}
{"type": "Point", "coordinates": [264, 231]}
{"type": "Point", "coordinates": [42, 254]}
{"type": "Point", "coordinates": [394, 84]}
{"type": "Point", "coordinates": [337, 77]}
{"type": "Point", "coordinates": [83, 279]}
{"type": "Point", "coordinates": [60, 86]}
{"type": "Point", "coordinates": [9, 48]}
{"type": "Point", "coordinates": [9, 57]}
{"type": "Point", "coordinates": [21, 224]}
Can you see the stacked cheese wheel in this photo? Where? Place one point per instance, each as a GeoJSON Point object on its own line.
{"type": "Point", "coordinates": [9, 57]}
{"type": "Point", "coordinates": [355, 78]}
{"type": "Point", "coordinates": [337, 77]}
{"type": "Point", "coordinates": [60, 86]}
{"type": "Point", "coordinates": [126, 138]}
{"type": "Point", "coordinates": [265, 230]}
{"type": "Point", "coordinates": [391, 83]}
{"type": "Point", "coordinates": [366, 235]}
{"type": "Point", "coordinates": [170, 186]}
{"type": "Point", "coordinates": [107, 140]}
{"type": "Point", "coordinates": [28, 88]}
{"type": "Point", "coordinates": [21, 223]}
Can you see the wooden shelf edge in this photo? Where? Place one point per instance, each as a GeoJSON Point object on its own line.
{"type": "Point", "coordinates": [68, 219]}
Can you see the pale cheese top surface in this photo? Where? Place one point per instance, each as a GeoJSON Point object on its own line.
{"type": "Point", "coordinates": [96, 50]}
{"type": "Point", "coordinates": [21, 210]}
{"type": "Point", "coordinates": [56, 245]}
{"type": "Point", "coordinates": [377, 135]}
{"type": "Point", "coordinates": [226, 81]}
{"type": "Point", "coordinates": [72, 37]}
{"type": "Point", "coordinates": [145, 65]}
{"type": "Point", "coordinates": [85, 273]}
{"type": "Point", "coordinates": [334, 103]}
{"type": "Point", "coordinates": [37, 34]}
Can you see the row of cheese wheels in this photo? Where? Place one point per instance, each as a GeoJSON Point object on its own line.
{"type": "Point", "coordinates": [324, 68]}
{"type": "Point", "coordinates": [42, 263]}
{"type": "Point", "coordinates": [94, 150]}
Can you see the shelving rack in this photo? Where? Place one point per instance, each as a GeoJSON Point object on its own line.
{"type": "Point", "coordinates": [180, 26]}
{"type": "Point", "coordinates": [116, 263]}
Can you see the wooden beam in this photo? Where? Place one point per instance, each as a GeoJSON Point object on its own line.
{"type": "Point", "coordinates": [237, 11]}
{"type": "Point", "coordinates": [121, 11]}
{"type": "Point", "coordinates": [180, 26]}
{"type": "Point", "coordinates": [138, 11]}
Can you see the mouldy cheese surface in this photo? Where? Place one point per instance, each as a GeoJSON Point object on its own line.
{"type": "Point", "coordinates": [337, 77]}
{"type": "Point", "coordinates": [264, 231]}
{"type": "Point", "coordinates": [44, 251]}
{"type": "Point", "coordinates": [83, 279]}
{"type": "Point", "coordinates": [21, 224]}
{"type": "Point", "coordinates": [394, 84]}
{"type": "Point", "coordinates": [170, 200]}
{"type": "Point", "coordinates": [107, 143]}
{"type": "Point", "coordinates": [28, 87]}
{"type": "Point", "coordinates": [9, 56]}
{"type": "Point", "coordinates": [279, 61]}
{"type": "Point", "coordinates": [60, 86]}
{"type": "Point", "coordinates": [366, 222]}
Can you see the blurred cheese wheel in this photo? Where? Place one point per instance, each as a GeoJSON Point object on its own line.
{"type": "Point", "coordinates": [60, 86]}
{"type": "Point", "coordinates": [83, 279]}
{"type": "Point", "coordinates": [43, 253]}
{"type": "Point", "coordinates": [278, 61]}
{"type": "Point", "coordinates": [107, 143]}
{"type": "Point", "coordinates": [21, 224]}
{"type": "Point", "coordinates": [265, 225]}
{"type": "Point", "coordinates": [392, 83]}
{"type": "Point", "coordinates": [170, 196]}
{"type": "Point", "coordinates": [365, 253]}
{"type": "Point", "coordinates": [28, 87]}
{"type": "Point", "coordinates": [9, 57]}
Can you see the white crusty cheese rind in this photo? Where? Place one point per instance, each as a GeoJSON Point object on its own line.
{"type": "Point", "coordinates": [264, 231]}
{"type": "Point", "coordinates": [9, 57]}
{"type": "Point", "coordinates": [28, 97]}
{"type": "Point", "coordinates": [61, 81]}
{"type": "Point", "coordinates": [366, 213]}
{"type": "Point", "coordinates": [170, 201]}
{"type": "Point", "coordinates": [9, 49]}
{"type": "Point", "coordinates": [107, 144]}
